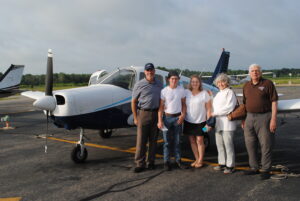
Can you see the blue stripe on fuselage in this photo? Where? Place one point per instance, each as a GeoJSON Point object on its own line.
{"type": "Point", "coordinates": [113, 104]}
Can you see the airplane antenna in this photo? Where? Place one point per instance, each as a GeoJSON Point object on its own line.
{"type": "Point", "coordinates": [180, 73]}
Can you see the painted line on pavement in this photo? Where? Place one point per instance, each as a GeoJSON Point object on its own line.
{"type": "Point", "coordinates": [11, 199]}
{"type": "Point", "coordinates": [130, 150]}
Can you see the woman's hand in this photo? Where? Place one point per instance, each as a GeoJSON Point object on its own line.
{"type": "Point", "coordinates": [208, 128]}
{"type": "Point", "coordinates": [180, 119]}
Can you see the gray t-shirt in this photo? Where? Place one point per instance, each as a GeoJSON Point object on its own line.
{"type": "Point", "coordinates": [147, 94]}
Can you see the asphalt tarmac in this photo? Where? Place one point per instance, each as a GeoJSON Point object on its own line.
{"type": "Point", "coordinates": [28, 173]}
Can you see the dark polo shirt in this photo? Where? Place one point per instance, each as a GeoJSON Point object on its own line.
{"type": "Point", "coordinates": [258, 98]}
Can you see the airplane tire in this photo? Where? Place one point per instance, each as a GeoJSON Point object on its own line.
{"type": "Point", "coordinates": [76, 155]}
{"type": "Point", "coordinates": [105, 133]}
{"type": "Point", "coordinates": [206, 141]}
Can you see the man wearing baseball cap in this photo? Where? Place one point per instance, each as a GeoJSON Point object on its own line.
{"type": "Point", "coordinates": [144, 105]}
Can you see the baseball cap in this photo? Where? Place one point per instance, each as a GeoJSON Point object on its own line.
{"type": "Point", "coordinates": [149, 66]}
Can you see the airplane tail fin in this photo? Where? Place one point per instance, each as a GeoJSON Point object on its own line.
{"type": "Point", "coordinates": [11, 79]}
{"type": "Point", "coordinates": [221, 67]}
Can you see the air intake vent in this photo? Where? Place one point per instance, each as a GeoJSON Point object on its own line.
{"type": "Point", "coordinates": [60, 100]}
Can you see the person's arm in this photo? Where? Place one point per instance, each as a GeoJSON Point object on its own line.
{"type": "Point", "coordinates": [208, 107]}
{"type": "Point", "coordinates": [183, 111]}
{"type": "Point", "coordinates": [160, 123]}
{"type": "Point", "coordinates": [134, 110]}
{"type": "Point", "coordinates": [273, 123]}
{"type": "Point", "coordinates": [228, 106]}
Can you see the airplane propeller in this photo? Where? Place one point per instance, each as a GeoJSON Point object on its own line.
{"type": "Point", "coordinates": [47, 102]}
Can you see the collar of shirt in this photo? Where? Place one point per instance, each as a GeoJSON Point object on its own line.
{"type": "Point", "coordinates": [258, 83]}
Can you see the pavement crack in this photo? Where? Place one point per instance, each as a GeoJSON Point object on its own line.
{"type": "Point", "coordinates": [123, 186]}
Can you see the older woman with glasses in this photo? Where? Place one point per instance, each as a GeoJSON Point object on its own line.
{"type": "Point", "coordinates": [223, 103]}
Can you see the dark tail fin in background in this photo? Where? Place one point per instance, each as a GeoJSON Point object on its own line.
{"type": "Point", "coordinates": [221, 67]}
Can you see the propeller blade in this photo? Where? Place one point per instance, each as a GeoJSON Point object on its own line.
{"type": "Point", "coordinates": [49, 75]}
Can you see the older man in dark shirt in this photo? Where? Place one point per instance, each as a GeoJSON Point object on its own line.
{"type": "Point", "coordinates": [260, 98]}
{"type": "Point", "coordinates": [144, 105]}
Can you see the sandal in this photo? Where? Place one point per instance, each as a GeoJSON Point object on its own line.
{"type": "Point", "coordinates": [198, 165]}
{"type": "Point", "coordinates": [193, 164]}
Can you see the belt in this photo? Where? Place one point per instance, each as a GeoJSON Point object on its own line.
{"type": "Point", "coordinates": [149, 110]}
{"type": "Point", "coordinates": [172, 115]}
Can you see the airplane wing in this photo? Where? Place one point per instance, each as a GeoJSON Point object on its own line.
{"type": "Point", "coordinates": [33, 94]}
{"type": "Point", "coordinates": [292, 105]}
{"type": "Point", "coordinates": [241, 95]}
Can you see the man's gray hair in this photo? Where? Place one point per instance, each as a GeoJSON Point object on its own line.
{"type": "Point", "coordinates": [222, 77]}
{"type": "Point", "coordinates": [254, 65]}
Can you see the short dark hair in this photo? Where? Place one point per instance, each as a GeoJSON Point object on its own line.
{"type": "Point", "coordinates": [173, 73]}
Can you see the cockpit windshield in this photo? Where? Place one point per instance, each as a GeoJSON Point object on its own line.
{"type": "Point", "coordinates": [123, 78]}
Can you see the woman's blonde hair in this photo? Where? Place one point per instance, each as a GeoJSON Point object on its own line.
{"type": "Point", "coordinates": [200, 82]}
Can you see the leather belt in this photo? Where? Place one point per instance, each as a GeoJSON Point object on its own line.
{"type": "Point", "coordinates": [172, 115]}
{"type": "Point", "coordinates": [149, 110]}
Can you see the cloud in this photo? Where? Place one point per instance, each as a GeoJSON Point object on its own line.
{"type": "Point", "coordinates": [89, 35]}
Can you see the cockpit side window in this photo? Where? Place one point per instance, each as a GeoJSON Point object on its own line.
{"type": "Point", "coordinates": [123, 78]}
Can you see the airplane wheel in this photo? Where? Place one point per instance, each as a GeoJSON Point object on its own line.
{"type": "Point", "coordinates": [206, 141]}
{"type": "Point", "coordinates": [76, 155]}
{"type": "Point", "coordinates": [105, 133]}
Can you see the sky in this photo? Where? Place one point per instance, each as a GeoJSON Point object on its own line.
{"type": "Point", "coordinates": [90, 35]}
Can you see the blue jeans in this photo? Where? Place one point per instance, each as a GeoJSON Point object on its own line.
{"type": "Point", "coordinates": [172, 136]}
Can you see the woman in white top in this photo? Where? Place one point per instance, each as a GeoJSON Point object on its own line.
{"type": "Point", "coordinates": [198, 104]}
{"type": "Point", "coordinates": [223, 103]}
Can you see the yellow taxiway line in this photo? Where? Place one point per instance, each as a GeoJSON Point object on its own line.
{"type": "Point", "coordinates": [132, 150]}
{"type": "Point", "coordinates": [11, 199]}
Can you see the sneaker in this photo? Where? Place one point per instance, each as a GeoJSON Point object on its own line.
{"type": "Point", "coordinates": [220, 167]}
{"type": "Point", "coordinates": [167, 166]}
{"type": "Point", "coordinates": [138, 169]}
{"type": "Point", "coordinates": [151, 166]}
{"type": "Point", "coordinates": [229, 170]}
{"type": "Point", "coordinates": [265, 175]}
{"type": "Point", "coordinates": [180, 165]}
{"type": "Point", "coordinates": [251, 172]}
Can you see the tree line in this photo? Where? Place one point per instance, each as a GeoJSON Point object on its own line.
{"type": "Point", "coordinates": [82, 79]}
{"type": "Point", "coordinates": [284, 72]}
{"type": "Point", "coordinates": [58, 78]}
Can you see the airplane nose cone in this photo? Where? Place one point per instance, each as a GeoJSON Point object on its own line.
{"type": "Point", "coordinates": [45, 103]}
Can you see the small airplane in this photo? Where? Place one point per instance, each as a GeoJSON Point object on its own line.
{"type": "Point", "coordinates": [10, 80]}
{"type": "Point", "coordinates": [103, 106]}
{"type": "Point", "coordinates": [236, 79]}
{"type": "Point", "coordinates": [243, 78]}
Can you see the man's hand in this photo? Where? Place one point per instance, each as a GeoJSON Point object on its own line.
{"type": "Point", "coordinates": [180, 119]}
{"type": "Point", "coordinates": [273, 125]}
{"type": "Point", "coordinates": [135, 121]}
{"type": "Point", "coordinates": [243, 124]}
{"type": "Point", "coordinates": [160, 124]}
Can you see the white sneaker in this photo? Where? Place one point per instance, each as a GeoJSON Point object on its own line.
{"type": "Point", "coordinates": [219, 167]}
{"type": "Point", "coordinates": [229, 170]}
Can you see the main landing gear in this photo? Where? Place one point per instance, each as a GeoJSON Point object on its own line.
{"type": "Point", "coordinates": [79, 153]}
{"type": "Point", "coordinates": [105, 133]}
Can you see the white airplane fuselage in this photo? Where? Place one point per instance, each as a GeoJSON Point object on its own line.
{"type": "Point", "coordinates": [106, 105]}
